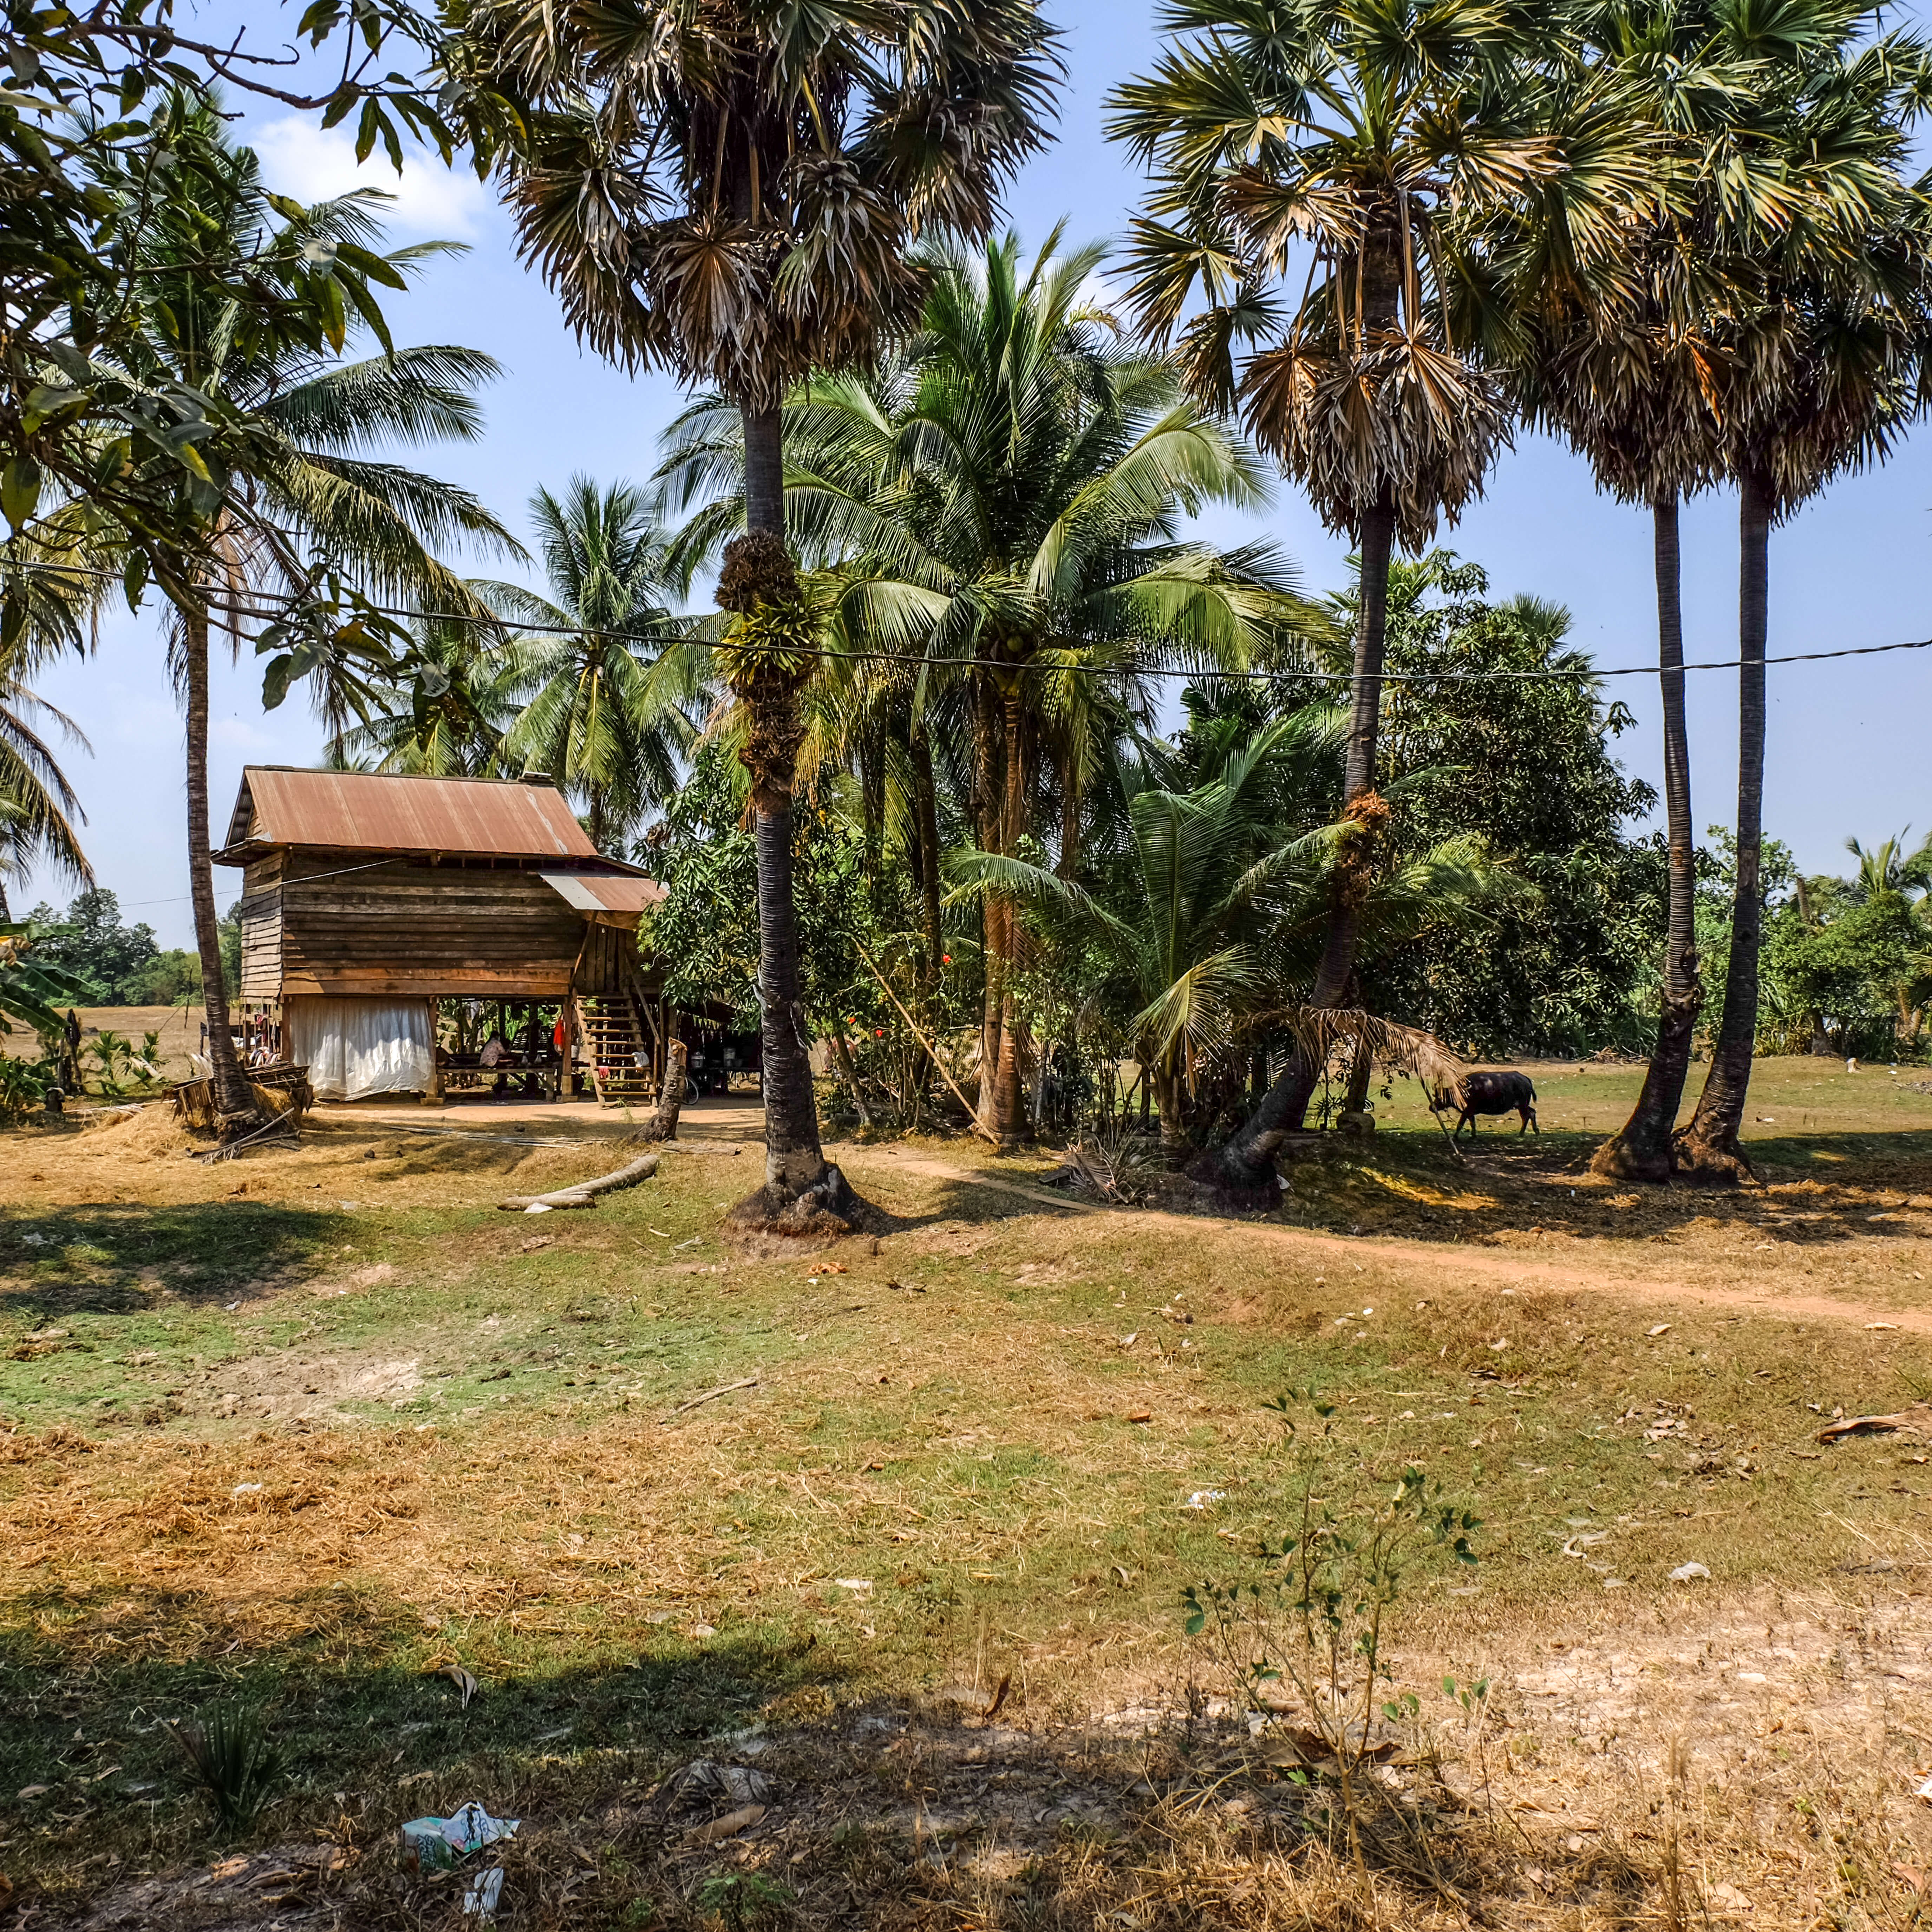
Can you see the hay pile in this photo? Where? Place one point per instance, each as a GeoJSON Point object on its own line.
{"type": "Point", "coordinates": [149, 1132]}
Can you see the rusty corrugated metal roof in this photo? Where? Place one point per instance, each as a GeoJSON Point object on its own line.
{"type": "Point", "coordinates": [390, 811]}
{"type": "Point", "coordinates": [592, 893]}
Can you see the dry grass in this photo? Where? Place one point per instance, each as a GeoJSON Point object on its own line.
{"type": "Point", "coordinates": [454, 1419]}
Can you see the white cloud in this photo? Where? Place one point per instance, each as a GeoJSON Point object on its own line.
{"type": "Point", "coordinates": [313, 163]}
{"type": "Point", "coordinates": [243, 734]}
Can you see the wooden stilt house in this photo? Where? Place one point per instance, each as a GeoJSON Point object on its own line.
{"type": "Point", "coordinates": [370, 899]}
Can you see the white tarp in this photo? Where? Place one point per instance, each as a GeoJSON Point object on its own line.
{"type": "Point", "coordinates": [353, 1049]}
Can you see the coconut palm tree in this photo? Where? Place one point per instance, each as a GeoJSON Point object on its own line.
{"type": "Point", "coordinates": [1219, 909]}
{"type": "Point", "coordinates": [1888, 867]}
{"type": "Point", "coordinates": [1205, 871]}
{"type": "Point", "coordinates": [731, 193]}
{"type": "Point", "coordinates": [447, 721]}
{"type": "Point", "coordinates": [38, 805]}
{"type": "Point", "coordinates": [1337, 146]}
{"type": "Point", "coordinates": [282, 491]}
{"type": "Point", "coordinates": [1002, 500]}
{"type": "Point", "coordinates": [54, 589]}
{"type": "Point", "coordinates": [606, 688]}
{"type": "Point", "coordinates": [1826, 366]}
{"type": "Point", "coordinates": [33, 990]}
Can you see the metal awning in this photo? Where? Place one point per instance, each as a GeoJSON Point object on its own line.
{"type": "Point", "coordinates": [597, 893]}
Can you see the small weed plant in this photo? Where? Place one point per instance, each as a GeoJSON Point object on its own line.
{"type": "Point", "coordinates": [740, 1899]}
{"type": "Point", "coordinates": [235, 1761]}
{"type": "Point", "coordinates": [1303, 1629]}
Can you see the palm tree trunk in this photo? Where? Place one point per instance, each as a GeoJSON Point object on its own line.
{"type": "Point", "coordinates": [1361, 1078]}
{"type": "Point", "coordinates": [1247, 1162]}
{"type": "Point", "coordinates": [1642, 1151]}
{"type": "Point", "coordinates": [1069, 823]}
{"type": "Point", "coordinates": [764, 470]}
{"type": "Point", "coordinates": [925, 804]}
{"type": "Point", "coordinates": [1167, 1093]}
{"type": "Point", "coordinates": [663, 1124]}
{"type": "Point", "coordinates": [872, 805]}
{"type": "Point", "coordinates": [234, 1101]}
{"type": "Point", "coordinates": [1009, 1111]}
{"type": "Point", "coordinates": [1709, 1151]}
{"type": "Point", "coordinates": [802, 1193]}
{"type": "Point", "coordinates": [987, 814]}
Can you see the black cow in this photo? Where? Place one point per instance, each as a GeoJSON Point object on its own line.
{"type": "Point", "coordinates": [1475, 1094]}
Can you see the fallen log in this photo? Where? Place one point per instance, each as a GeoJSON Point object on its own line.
{"type": "Point", "coordinates": [584, 1193]}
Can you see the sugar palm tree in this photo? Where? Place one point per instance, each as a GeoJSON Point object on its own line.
{"type": "Point", "coordinates": [1305, 137]}
{"type": "Point", "coordinates": [1628, 365]}
{"type": "Point", "coordinates": [284, 488]}
{"type": "Point", "coordinates": [1005, 497]}
{"type": "Point", "coordinates": [1618, 368]}
{"type": "Point", "coordinates": [731, 193]}
{"type": "Point", "coordinates": [608, 686]}
{"type": "Point", "coordinates": [1826, 366]}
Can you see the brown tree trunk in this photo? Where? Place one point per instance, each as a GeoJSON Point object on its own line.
{"type": "Point", "coordinates": [1167, 1083]}
{"type": "Point", "coordinates": [1643, 1150]}
{"type": "Point", "coordinates": [235, 1109]}
{"type": "Point", "coordinates": [802, 1193]}
{"type": "Point", "coordinates": [1361, 1078]}
{"type": "Point", "coordinates": [1247, 1162]}
{"type": "Point", "coordinates": [663, 1123]}
{"type": "Point", "coordinates": [989, 821]}
{"type": "Point", "coordinates": [1708, 1152]}
{"type": "Point", "coordinates": [1009, 1111]}
{"type": "Point", "coordinates": [925, 804]}
{"type": "Point", "coordinates": [993, 961]}
{"type": "Point", "coordinates": [842, 1052]}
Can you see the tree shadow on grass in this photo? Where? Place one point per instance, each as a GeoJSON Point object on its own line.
{"type": "Point", "coordinates": [112, 1257]}
{"type": "Point", "coordinates": [353, 1694]}
{"type": "Point", "coordinates": [901, 1808]}
{"type": "Point", "coordinates": [1407, 1186]}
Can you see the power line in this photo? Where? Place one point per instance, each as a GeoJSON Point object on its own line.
{"type": "Point", "coordinates": [251, 614]}
{"type": "Point", "coordinates": [307, 878]}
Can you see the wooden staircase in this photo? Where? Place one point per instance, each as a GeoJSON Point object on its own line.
{"type": "Point", "coordinates": [607, 1024]}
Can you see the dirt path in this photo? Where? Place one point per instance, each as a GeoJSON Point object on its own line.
{"type": "Point", "coordinates": [1458, 1258]}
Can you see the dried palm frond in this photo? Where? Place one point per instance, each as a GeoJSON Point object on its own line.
{"type": "Point", "coordinates": [1403, 1048]}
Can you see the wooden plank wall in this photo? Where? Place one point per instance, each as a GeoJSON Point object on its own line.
{"type": "Point", "coordinates": [402, 929]}
{"type": "Point", "coordinates": [260, 913]}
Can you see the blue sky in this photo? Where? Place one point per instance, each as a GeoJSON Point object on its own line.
{"type": "Point", "coordinates": [1847, 739]}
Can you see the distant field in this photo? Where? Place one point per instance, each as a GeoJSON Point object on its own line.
{"type": "Point", "coordinates": [179, 1028]}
